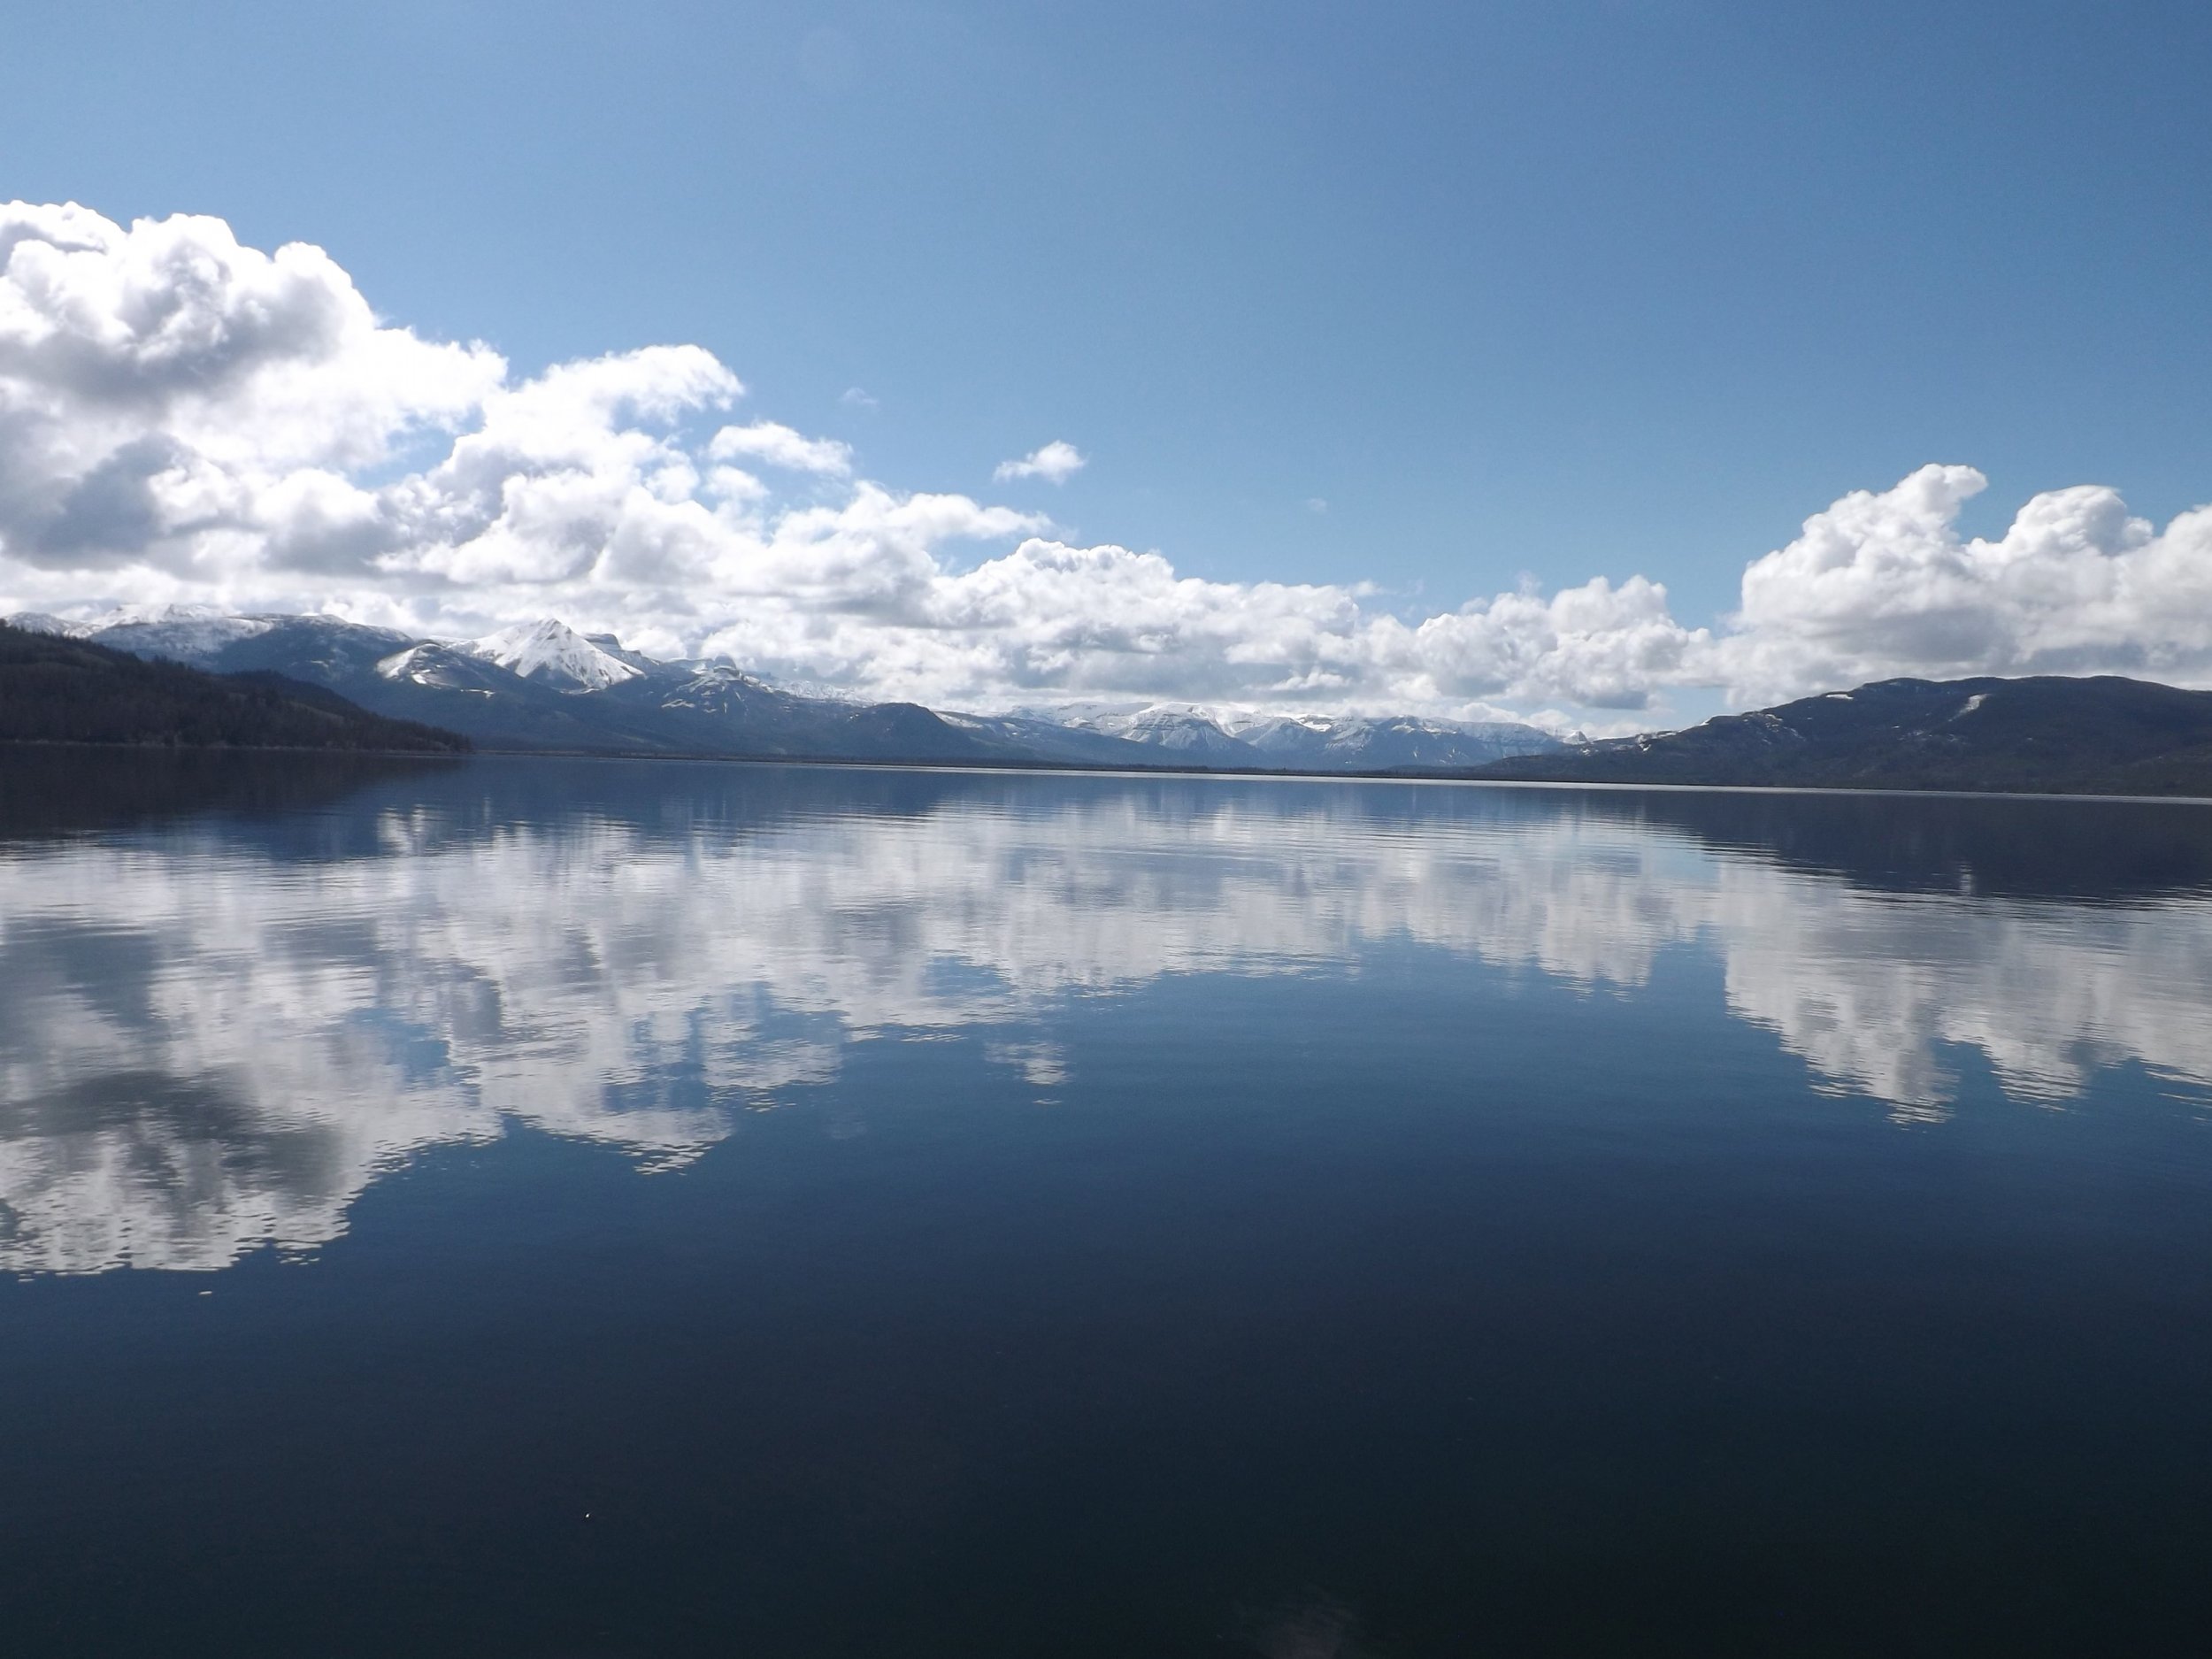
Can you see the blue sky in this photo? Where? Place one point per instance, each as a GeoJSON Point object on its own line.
{"type": "Point", "coordinates": [1594, 287]}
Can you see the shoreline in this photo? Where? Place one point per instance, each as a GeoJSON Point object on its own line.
{"type": "Point", "coordinates": [985, 767]}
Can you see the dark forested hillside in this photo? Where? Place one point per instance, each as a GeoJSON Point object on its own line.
{"type": "Point", "coordinates": [56, 690]}
{"type": "Point", "coordinates": [2102, 735]}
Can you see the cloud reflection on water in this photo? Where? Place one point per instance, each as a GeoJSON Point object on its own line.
{"type": "Point", "coordinates": [215, 1039]}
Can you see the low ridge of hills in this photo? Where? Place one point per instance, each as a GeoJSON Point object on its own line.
{"type": "Point", "coordinates": [543, 686]}
{"type": "Point", "coordinates": [2102, 735]}
{"type": "Point", "coordinates": [56, 689]}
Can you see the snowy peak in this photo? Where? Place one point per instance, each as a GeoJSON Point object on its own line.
{"type": "Point", "coordinates": [1181, 727]}
{"type": "Point", "coordinates": [184, 632]}
{"type": "Point", "coordinates": [621, 653]}
{"type": "Point", "coordinates": [39, 622]}
{"type": "Point", "coordinates": [1319, 743]}
{"type": "Point", "coordinates": [718, 688]}
{"type": "Point", "coordinates": [437, 668]}
{"type": "Point", "coordinates": [551, 651]}
{"type": "Point", "coordinates": [1377, 743]}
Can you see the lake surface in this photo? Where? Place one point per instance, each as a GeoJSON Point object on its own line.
{"type": "Point", "coordinates": [569, 1208]}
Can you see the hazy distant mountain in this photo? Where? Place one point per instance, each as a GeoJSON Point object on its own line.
{"type": "Point", "coordinates": [2102, 735]}
{"type": "Point", "coordinates": [544, 686]}
{"type": "Point", "coordinates": [1357, 744]}
{"type": "Point", "coordinates": [1188, 733]}
{"type": "Point", "coordinates": [1315, 743]}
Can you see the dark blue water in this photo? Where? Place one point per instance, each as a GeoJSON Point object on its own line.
{"type": "Point", "coordinates": [548, 1207]}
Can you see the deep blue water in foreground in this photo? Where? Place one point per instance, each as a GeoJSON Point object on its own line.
{"type": "Point", "coordinates": [565, 1208]}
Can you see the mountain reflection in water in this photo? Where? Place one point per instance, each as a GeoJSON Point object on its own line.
{"type": "Point", "coordinates": [223, 1024]}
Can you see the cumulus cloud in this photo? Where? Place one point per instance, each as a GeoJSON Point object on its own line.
{"type": "Point", "coordinates": [779, 446]}
{"type": "Point", "coordinates": [1056, 462]}
{"type": "Point", "coordinates": [184, 418]}
{"type": "Point", "coordinates": [166, 394]}
{"type": "Point", "coordinates": [1883, 584]}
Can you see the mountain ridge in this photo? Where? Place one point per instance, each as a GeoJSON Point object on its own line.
{"type": "Point", "coordinates": [2100, 734]}
{"type": "Point", "coordinates": [544, 686]}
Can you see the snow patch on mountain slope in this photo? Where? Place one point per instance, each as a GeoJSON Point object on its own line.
{"type": "Point", "coordinates": [184, 633]}
{"type": "Point", "coordinates": [1184, 727]}
{"type": "Point", "coordinates": [551, 650]}
{"type": "Point", "coordinates": [420, 663]}
{"type": "Point", "coordinates": [39, 622]}
{"type": "Point", "coordinates": [1327, 742]}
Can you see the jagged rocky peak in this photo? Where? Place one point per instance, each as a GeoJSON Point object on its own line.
{"type": "Point", "coordinates": [621, 653]}
{"type": "Point", "coordinates": [551, 650]}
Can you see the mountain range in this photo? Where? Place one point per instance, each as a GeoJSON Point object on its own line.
{"type": "Point", "coordinates": [544, 686]}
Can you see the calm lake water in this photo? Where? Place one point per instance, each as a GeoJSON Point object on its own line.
{"type": "Point", "coordinates": [567, 1207]}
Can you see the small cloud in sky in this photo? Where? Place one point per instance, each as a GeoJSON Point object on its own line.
{"type": "Point", "coordinates": [778, 445]}
{"type": "Point", "coordinates": [860, 398]}
{"type": "Point", "coordinates": [1056, 462]}
{"type": "Point", "coordinates": [1315, 503]}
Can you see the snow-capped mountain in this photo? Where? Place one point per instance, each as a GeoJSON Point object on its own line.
{"type": "Point", "coordinates": [39, 622]}
{"type": "Point", "coordinates": [1313, 742]}
{"type": "Point", "coordinates": [552, 651]}
{"type": "Point", "coordinates": [542, 686]}
{"type": "Point", "coordinates": [438, 667]}
{"type": "Point", "coordinates": [179, 631]}
{"type": "Point", "coordinates": [716, 688]}
{"type": "Point", "coordinates": [1184, 727]}
{"type": "Point", "coordinates": [1374, 743]}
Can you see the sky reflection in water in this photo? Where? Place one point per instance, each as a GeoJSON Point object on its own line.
{"type": "Point", "coordinates": [222, 1025]}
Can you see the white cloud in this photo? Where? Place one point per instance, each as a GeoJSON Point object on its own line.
{"type": "Point", "coordinates": [1883, 584]}
{"type": "Point", "coordinates": [1056, 462]}
{"type": "Point", "coordinates": [186, 420]}
{"type": "Point", "coordinates": [781, 446]}
{"type": "Point", "coordinates": [1597, 646]}
{"type": "Point", "coordinates": [860, 398]}
{"type": "Point", "coordinates": [161, 388]}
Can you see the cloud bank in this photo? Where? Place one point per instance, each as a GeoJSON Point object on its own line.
{"type": "Point", "coordinates": [183, 419]}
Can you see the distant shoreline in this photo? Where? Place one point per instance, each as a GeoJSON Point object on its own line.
{"type": "Point", "coordinates": [1061, 770]}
